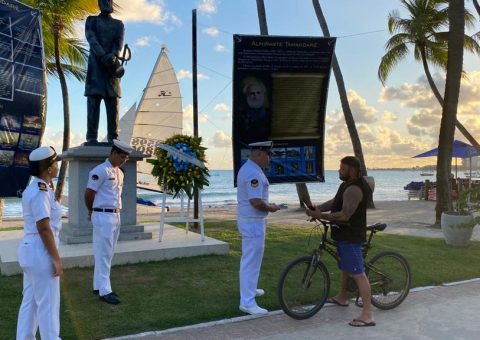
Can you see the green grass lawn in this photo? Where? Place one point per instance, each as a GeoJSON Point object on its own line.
{"type": "Point", "coordinates": [178, 292]}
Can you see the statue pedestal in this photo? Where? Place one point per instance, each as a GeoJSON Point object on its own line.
{"type": "Point", "coordinates": [81, 160]}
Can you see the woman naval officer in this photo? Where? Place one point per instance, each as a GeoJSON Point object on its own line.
{"type": "Point", "coordinates": [37, 253]}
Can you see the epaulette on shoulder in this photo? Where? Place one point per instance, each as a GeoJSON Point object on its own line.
{"type": "Point", "coordinates": [42, 186]}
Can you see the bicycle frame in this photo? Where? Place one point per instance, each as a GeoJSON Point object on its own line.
{"type": "Point", "coordinates": [329, 245]}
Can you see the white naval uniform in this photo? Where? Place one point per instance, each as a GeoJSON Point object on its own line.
{"type": "Point", "coordinates": [40, 306]}
{"type": "Point", "coordinates": [107, 182]}
{"type": "Point", "coordinates": [251, 223]}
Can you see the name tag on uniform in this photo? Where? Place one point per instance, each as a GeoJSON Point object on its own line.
{"type": "Point", "coordinates": [111, 179]}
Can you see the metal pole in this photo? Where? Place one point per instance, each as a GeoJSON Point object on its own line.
{"type": "Point", "coordinates": [195, 101]}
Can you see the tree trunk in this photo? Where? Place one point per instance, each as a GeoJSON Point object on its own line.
{"type": "Point", "coordinates": [439, 97]}
{"type": "Point", "coordinates": [262, 17]}
{"type": "Point", "coordinates": [347, 112]}
{"type": "Point", "coordinates": [66, 115]}
{"type": "Point", "coordinates": [449, 111]}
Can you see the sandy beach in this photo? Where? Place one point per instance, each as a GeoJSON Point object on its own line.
{"type": "Point", "coordinates": [394, 211]}
{"type": "Point", "coordinates": [414, 217]}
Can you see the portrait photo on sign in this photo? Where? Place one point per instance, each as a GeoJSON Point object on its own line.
{"type": "Point", "coordinates": [8, 138]}
{"type": "Point", "coordinates": [6, 157]}
{"type": "Point", "coordinates": [9, 122]}
{"type": "Point", "coordinates": [254, 121]}
{"type": "Point", "coordinates": [32, 122]}
{"type": "Point", "coordinates": [21, 158]}
{"type": "Point", "coordinates": [28, 141]}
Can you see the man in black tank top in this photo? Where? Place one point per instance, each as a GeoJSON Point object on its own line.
{"type": "Point", "coordinates": [350, 205]}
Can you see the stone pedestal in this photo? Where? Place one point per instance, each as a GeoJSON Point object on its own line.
{"type": "Point", "coordinates": [81, 160]}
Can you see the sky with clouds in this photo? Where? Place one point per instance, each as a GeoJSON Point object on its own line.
{"type": "Point", "coordinates": [394, 122]}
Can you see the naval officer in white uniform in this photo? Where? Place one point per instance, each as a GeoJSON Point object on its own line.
{"type": "Point", "coordinates": [252, 210]}
{"type": "Point", "coordinates": [38, 250]}
{"type": "Point", "coordinates": [103, 198]}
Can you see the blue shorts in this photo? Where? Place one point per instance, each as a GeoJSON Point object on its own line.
{"type": "Point", "coordinates": [351, 257]}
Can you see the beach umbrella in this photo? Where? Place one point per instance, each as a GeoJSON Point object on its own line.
{"type": "Point", "coordinates": [459, 150]}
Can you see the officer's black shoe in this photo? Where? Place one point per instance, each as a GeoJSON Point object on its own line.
{"type": "Point", "coordinates": [110, 298]}
{"type": "Point", "coordinates": [97, 292]}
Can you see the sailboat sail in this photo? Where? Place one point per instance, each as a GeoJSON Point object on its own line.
{"type": "Point", "coordinates": [158, 116]}
{"type": "Point", "coordinates": [126, 124]}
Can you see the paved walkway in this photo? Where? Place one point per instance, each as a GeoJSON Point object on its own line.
{"type": "Point", "coordinates": [444, 312]}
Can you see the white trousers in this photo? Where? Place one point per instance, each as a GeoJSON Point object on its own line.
{"type": "Point", "coordinates": [253, 245]}
{"type": "Point", "coordinates": [40, 306]}
{"type": "Point", "coordinates": [106, 228]}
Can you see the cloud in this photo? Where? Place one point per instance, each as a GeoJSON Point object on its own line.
{"type": "Point", "coordinates": [389, 117]}
{"type": "Point", "coordinates": [219, 48]}
{"type": "Point", "coordinates": [182, 74]}
{"type": "Point", "coordinates": [143, 41]}
{"type": "Point", "coordinates": [207, 6]}
{"type": "Point", "coordinates": [221, 140]}
{"type": "Point", "coordinates": [222, 107]}
{"type": "Point", "coordinates": [382, 146]}
{"type": "Point", "coordinates": [360, 110]}
{"type": "Point", "coordinates": [211, 31]}
{"type": "Point", "coordinates": [424, 122]}
{"type": "Point", "coordinates": [203, 118]}
{"type": "Point", "coordinates": [55, 139]}
{"type": "Point", "coordinates": [154, 12]}
{"type": "Point", "coordinates": [409, 95]}
{"type": "Point", "coordinates": [187, 129]}
{"type": "Point", "coordinates": [188, 112]}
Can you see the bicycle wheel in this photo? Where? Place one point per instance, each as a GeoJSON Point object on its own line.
{"type": "Point", "coordinates": [303, 287]}
{"type": "Point", "coordinates": [390, 278]}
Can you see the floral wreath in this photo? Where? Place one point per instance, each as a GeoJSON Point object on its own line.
{"type": "Point", "coordinates": [176, 176]}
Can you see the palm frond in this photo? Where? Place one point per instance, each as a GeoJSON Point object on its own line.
{"type": "Point", "coordinates": [390, 60]}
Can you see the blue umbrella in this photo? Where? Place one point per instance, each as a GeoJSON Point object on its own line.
{"type": "Point", "coordinates": [459, 150]}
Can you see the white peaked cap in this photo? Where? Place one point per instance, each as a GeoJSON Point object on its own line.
{"type": "Point", "coordinates": [43, 153]}
{"type": "Point", "coordinates": [122, 146]}
{"type": "Point", "coordinates": [261, 145]}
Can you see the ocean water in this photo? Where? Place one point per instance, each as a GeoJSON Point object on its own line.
{"type": "Point", "coordinates": [388, 187]}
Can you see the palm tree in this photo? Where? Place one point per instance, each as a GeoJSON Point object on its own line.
{"type": "Point", "coordinates": [347, 112]}
{"type": "Point", "coordinates": [64, 55]}
{"type": "Point", "coordinates": [449, 113]}
{"type": "Point", "coordinates": [423, 29]}
{"type": "Point", "coordinates": [262, 17]}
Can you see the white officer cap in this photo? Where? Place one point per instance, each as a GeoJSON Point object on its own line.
{"type": "Point", "coordinates": [44, 153]}
{"type": "Point", "coordinates": [120, 146]}
{"type": "Point", "coordinates": [265, 146]}
{"type": "Point", "coordinates": [41, 158]}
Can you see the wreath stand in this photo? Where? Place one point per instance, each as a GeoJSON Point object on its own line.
{"type": "Point", "coordinates": [184, 215]}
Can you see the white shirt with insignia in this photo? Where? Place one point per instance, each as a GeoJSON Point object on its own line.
{"type": "Point", "coordinates": [251, 183]}
{"type": "Point", "coordinates": [107, 182]}
{"type": "Point", "coordinates": [38, 202]}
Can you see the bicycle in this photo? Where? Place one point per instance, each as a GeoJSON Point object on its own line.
{"type": "Point", "coordinates": [305, 282]}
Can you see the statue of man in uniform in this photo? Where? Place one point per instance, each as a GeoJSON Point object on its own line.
{"type": "Point", "coordinates": [105, 36]}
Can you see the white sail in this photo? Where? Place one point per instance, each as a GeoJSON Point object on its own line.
{"type": "Point", "coordinates": [126, 124]}
{"type": "Point", "coordinates": [159, 116]}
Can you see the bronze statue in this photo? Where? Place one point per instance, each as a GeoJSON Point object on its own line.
{"type": "Point", "coordinates": [105, 36]}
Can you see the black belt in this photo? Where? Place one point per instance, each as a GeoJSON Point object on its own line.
{"type": "Point", "coordinates": [106, 210]}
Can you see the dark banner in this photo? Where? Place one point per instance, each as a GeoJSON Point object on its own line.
{"type": "Point", "coordinates": [22, 93]}
{"type": "Point", "coordinates": [280, 87]}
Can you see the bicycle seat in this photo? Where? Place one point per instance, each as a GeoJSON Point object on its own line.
{"type": "Point", "coordinates": [377, 227]}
